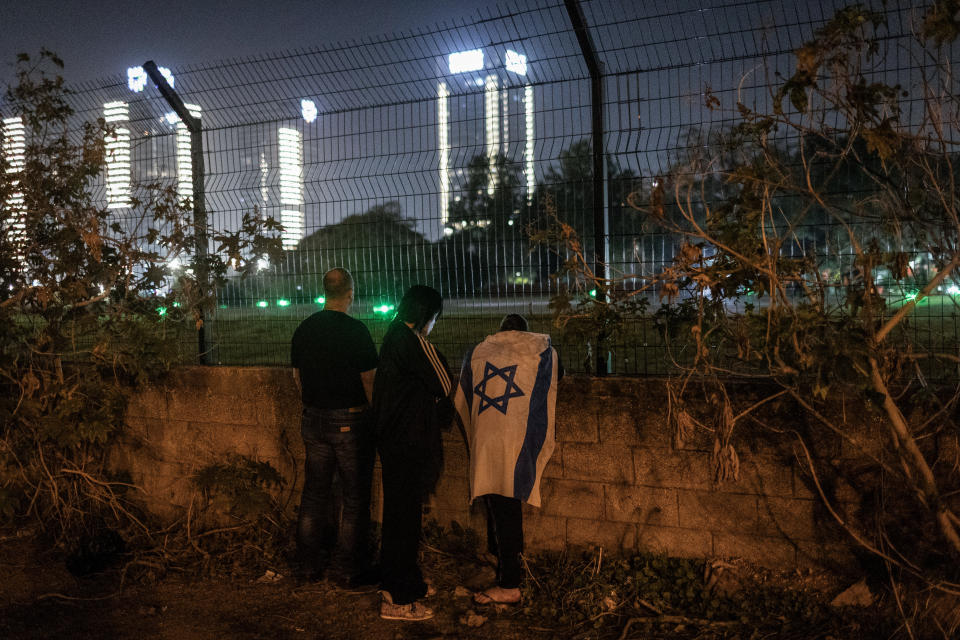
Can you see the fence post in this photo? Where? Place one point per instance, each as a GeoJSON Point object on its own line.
{"type": "Point", "coordinates": [601, 223]}
{"type": "Point", "coordinates": [199, 205]}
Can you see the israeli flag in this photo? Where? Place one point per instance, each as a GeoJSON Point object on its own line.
{"type": "Point", "coordinates": [507, 399]}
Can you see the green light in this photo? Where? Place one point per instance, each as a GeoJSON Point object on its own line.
{"type": "Point", "coordinates": [283, 303]}
{"type": "Point", "coordinates": [592, 293]}
{"type": "Point", "coordinates": [223, 306]}
{"type": "Point", "coordinates": [384, 308]}
{"type": "Point", "coordinates": [176, 304]}
{"type": "Point", "coordinates": [162, 311]}
{"type": "Point", "coordinates": [263, 304]}
{"type": "Point", "coordinates": [912, 295]}
{"type": "Point", "coordinates": [320, 300]}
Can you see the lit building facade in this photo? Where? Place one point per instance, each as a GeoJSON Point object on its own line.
{"type": "Point", "coordinates": [476, 120]}
{"type": "Point", "coordinates": [14, 148]}
{"type": "Point", "coordinates": [117, 115]}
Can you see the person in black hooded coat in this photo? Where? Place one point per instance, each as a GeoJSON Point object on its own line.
{"type": "Point", "coordinates": [411, 405]}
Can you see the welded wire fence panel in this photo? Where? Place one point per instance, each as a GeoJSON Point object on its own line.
{"type": "Point", "coordinates": [423, 158]}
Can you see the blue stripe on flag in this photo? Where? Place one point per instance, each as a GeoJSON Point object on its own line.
{"type": "Point", "coordinates": [525, 473]}
{"type": "Point", "coordinates": [466, 381]}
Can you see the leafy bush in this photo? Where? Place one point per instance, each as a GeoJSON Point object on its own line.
{"type": "Point", "coordinates": [81, 298]}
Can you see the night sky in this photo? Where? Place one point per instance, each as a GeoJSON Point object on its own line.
{"type": "Point", "coordinates": [100, 38]}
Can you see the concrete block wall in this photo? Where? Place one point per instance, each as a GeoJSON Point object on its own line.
{"type": "Point", "coordinates": [201, 416]}
{"type": "Point", "coordinates": [615, 480]}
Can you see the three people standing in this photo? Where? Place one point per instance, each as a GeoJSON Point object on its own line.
{"type": "Point", "coordinates": [355, 403]}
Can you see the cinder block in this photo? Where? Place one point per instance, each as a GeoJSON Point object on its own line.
{"type": "Point", "coordinates": [144, 431]}
{"type": "Point", "coordinates": [675, 541]}
{"type": "Point", "coordinates": [188, 405]}
{"type": "Point", "coordinates": [792, 518]}
{"type": "Point", "coordinates": [673, 469]}
{"type": "Point", "coordinates": [653, 428]}
{"type": "Point", "coordinates": [175, 441]}
{"type": "Point", "coordinates": [265, 416]}
{"type": "Point", "coordinates": [554, 468]}
{"type": "Point", "coordinates": [772, 552]}
{"type": "Point", "coordinates": [642, 505]}
{"type": "Point", "coordinates": [572, 498]}
{"type": "Point", "coordinates": [544, 532]}
{"type": "Point", "coordinates": [456, 462]}
{"type": "Point", "coordinates": [716, 511]}
{"type": "Point", "coordinates": [576, 422]}
{"type": "Point", "coordinates": [762, 476]}
{"type": "Point", "coordinates": [612, 536]}
{"type": "Point", "coordinates": [452, 492]}
{"type": "Point", "coordinates": [149, 402]}
{"type": "Point", "coordinates": [598, 462]}
{"type": "Point", "coordinates": [617, 421]}
{"type": "Point", "coordinates": [833, 484]}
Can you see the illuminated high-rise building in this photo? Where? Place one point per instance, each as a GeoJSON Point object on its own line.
{"type": "Point", "coordinates": [500, 100]}
{"type": "Point", "coordinates": [14, 152]}
{"type": "Point", "coordinates": [290, 156]}
{"type": "Point", "coordinates": [184, 157]}
{"type": "Point", "coordinates": [117, 115]}
{"type": "Point", "coordinates": [491, 110]}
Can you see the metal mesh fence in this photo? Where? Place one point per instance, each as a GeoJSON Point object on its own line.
{"type": "Point", "coordinates": [408, 165]}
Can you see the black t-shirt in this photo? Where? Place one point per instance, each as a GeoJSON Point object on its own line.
{"type": "Point", "coordinates": [331, 349]}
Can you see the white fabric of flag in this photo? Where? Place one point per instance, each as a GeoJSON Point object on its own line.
{"type": "Point", "coordinates": [506, 399]}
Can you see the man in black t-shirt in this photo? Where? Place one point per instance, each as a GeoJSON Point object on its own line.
{"type": "Point", "coordinates": [335, 361]}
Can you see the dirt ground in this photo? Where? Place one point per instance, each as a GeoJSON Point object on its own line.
{"type": "Point", "coordinates": [39, 598]}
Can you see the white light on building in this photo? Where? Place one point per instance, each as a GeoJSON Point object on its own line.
{"type": "Point", "coordinates": [14, 151]}
{"type": "Point", "coordinates": [118, 155]}
{"type": "Point", "coordinates": [264, 187]}
{"type": "Point", "coordinates": [491, 107]}
{"type": "Point", "coordinates": [505, 116]}
{"type": "Point", "coordinates": [528, 149]}
{"type": "Point", "coordinates": [290, 158]}
{"type": "Point", "coordinates": [464, 61]}
{"type": "Point", "coordinates": [184, 157]}
{"type": "Point", "coordinates": [137, 78]}
{"type": "Point", "coordinates": [308, 109]}
{"type": "Point", "coordinates": [516, 62]}
{"type": "Point", "coordinates": [443, 129]}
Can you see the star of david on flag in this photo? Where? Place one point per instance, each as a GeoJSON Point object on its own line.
{"type": "Point", "coordinates": [491, 372]}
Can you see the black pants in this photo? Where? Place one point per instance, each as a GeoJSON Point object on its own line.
{"type": "Point", "coordinates": [505, 537]}
{"type": "Point", "coordinates": [402, 525]}
{"type": "Point", "coordinates": [336, 443]}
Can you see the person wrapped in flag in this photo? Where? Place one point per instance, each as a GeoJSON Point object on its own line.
{"type": "Point", "coordinates": [411, 404]}
{"type": "Point", "coordinates": [506, 400]}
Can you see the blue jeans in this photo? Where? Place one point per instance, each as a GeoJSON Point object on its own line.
{"type": "Point", "coordinates": [336, 442]}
